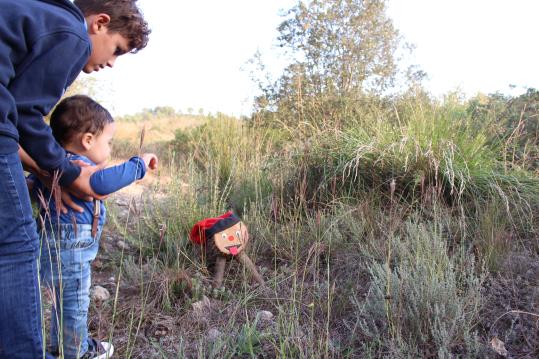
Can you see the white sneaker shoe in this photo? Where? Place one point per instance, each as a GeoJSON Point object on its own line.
{"type": "Point", "coordinates": [98, 350]}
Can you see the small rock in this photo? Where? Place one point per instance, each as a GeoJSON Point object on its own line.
{"type": "Point", "coordinates": [122, 245]}
{"type": "Point", "coordinates": [160, 331]}
{"type": "Point", "coordinates": [201, 306]}
{"type": "Point", "coordinates": [213, 334]}
{"type": "Point", "coordinates": [265, 315]}
{"type": "Point", "coordinates": [499, 347]}
{"type": "Point", "coordinates": [99, 294]}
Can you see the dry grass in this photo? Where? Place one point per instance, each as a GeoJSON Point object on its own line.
{"type": "Point", "coordinates": [396, 269]}
{"type": "Point", "coordinates": [157, 130]}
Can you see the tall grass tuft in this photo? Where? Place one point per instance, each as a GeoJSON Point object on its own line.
{"type": "Point", "coordinates": [428, 150]}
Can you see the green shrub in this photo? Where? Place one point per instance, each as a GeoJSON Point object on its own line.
{"type": "Point", "coordinates": [423, 301]}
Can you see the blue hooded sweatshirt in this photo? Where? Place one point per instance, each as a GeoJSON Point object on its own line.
{"type": "Point", "coordinates": [44, 45]}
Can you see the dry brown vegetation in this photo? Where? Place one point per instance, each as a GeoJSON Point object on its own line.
{"type": "Point", "coordinates": [364, 257]}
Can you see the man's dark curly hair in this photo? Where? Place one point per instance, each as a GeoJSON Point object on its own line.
{"type": "Point", "coordinates": [125, 19]}
{"type": "Point", "coordinates": [78, 114]}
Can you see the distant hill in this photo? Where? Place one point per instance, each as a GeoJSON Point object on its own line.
{"type": "Point", "coordinates": [161, 124]}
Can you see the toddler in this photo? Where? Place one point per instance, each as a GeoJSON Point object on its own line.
{"type": "Point", "coordinates": [70, 239]}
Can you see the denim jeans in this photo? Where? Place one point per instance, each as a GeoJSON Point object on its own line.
{"type": "Point", "coordinates": [20, 301]}
{"type": "Point", "coordinates": [66, 255]}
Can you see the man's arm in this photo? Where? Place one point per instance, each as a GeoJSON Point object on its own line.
{"type": "Point", "coordinates": [28, 163]}
{"type": "Point", "coordinates": [52, 65]}
{"type": "Point", "coordinates": [79, 188]}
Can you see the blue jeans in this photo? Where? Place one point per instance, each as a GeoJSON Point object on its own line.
{"type": "Point", "coordinates": [20, 301]}
{"type": "Point", "coordinates": [66, 255]}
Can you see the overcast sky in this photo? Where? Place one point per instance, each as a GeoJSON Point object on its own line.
{"type": "Point", "coordinates": [198, 50]}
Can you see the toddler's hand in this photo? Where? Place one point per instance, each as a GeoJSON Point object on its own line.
{"type": "Point", "coordinates": [150, 160]}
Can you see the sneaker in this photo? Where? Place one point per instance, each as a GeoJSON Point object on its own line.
{"type": "Point", "coordinates": [98, 350]}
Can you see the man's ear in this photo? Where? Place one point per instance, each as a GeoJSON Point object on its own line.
{"type": "Point", "coordinates": [87, 140]}
{"type": "Point", "coordinates": [97, 23]}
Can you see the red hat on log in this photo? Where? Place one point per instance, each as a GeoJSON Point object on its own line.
{"type": "Point", "coordinates": [207, 228]}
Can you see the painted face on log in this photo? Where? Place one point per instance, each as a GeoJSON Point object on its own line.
{"type": "Point", "coordinates": [232, 240]}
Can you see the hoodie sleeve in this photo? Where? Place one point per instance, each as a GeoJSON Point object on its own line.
{"type": "Point", "coordinates": [114, 178]}
{"type": "Point", "coordinates": [53, 63]}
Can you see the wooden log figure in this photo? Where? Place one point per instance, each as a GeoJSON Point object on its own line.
{"type": "Point", "coordinates": [222, 238]}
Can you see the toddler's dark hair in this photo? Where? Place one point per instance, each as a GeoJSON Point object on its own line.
{"type": "Point", "coordinates": [125, 18]}
{"type": "Point", "coordinates": [77, 115]}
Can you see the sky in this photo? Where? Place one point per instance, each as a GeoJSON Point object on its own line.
{"type": "Point", "coordinates": [198, 51]}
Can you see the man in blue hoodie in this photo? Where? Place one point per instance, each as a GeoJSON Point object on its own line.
{"type": "Point", "coordinates": [43, 47]}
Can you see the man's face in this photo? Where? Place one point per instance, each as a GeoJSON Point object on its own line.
{"type": "Point", "coordinates": [106, 47]}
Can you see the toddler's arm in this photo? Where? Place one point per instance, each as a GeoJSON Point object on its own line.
{"type": "Point", "coordinates": [114, 178]}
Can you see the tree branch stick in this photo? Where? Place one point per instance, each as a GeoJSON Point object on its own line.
{"type": "Point", "coordinates": [244, 259]}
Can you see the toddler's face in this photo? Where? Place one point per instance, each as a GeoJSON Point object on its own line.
{"type": "Point", "coordinates": [101, 148]}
